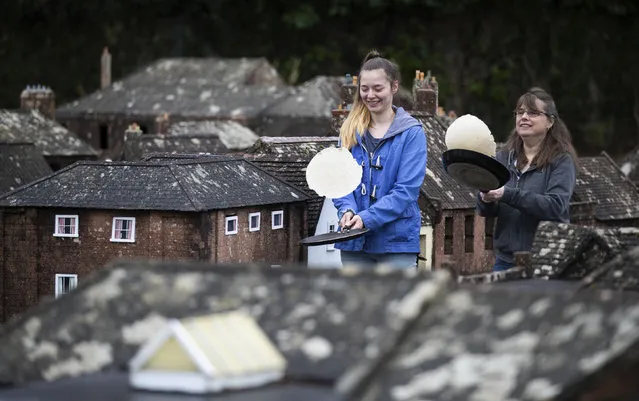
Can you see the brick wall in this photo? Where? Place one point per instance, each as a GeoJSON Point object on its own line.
{"type": "Point", "coordinates": [30, 256]}
{"type": "Point", "coordinates": [460, 237]}
{"type": "Point", "coordinates": [20, 255]}
{"type": "Point", "coordinates": [277, 246]}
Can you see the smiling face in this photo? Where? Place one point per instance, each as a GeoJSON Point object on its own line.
{"type": "Point", "coordinates": [376, 90]}
{"type": "Point", "coordinates": [532, 120]}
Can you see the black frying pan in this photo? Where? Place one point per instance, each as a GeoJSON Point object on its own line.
{"type": "Point", "coordinates": [331, 238]}
{"type": "Point", "coordinates": [475, 170]}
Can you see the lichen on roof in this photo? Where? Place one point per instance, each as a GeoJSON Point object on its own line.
{"type": "Point", "coordinates": [51, 138]}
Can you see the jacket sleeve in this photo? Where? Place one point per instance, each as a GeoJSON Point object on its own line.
{"type": "Point", "coordinates": [552, 205]}
{"type": "Point", "coordinates": [487, 209]}
{"type": "Point", "coordinates": [405, 190]}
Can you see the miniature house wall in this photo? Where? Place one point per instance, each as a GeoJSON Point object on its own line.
{"type": "Point", "coordinates": [207, 354]}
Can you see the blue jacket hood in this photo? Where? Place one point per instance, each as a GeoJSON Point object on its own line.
{"type": "Point", "coordinates": [401, 122]}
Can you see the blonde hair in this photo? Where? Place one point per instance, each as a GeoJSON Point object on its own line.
{"type": "Point", "coordinates": [359, 118]}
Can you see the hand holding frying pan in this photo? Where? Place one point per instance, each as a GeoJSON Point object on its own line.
{"type": "Point", "coordinates": [333, 173]}
{"type": "Point", "coordinates": [470, 158]}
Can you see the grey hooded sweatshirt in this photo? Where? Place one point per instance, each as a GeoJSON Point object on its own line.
{"type": "Point", "coordinates": [530, 197]}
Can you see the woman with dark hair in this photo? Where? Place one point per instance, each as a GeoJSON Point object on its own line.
{"type": "Point", "coordinates": [542, 163]}
{"type": "Point", "coordinates": [390, 145]}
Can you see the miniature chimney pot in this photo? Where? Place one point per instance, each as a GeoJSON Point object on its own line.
{"type": "Point", "coordinates": [40, 98]}
{"type": "Point", "coordinates": [105, 69]}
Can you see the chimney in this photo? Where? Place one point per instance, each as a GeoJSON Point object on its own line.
{"type": "Point", "coordinates": [133, 132]}
{"type": "Point", "coordinates": [426, 92]}
{"type": "Point", "coordinates": [346, 98]}
{"type": "Point", "coordinates": [162, 124]}
{"type": "Point", "coordinates": [38, 97]}
{"type": "Point", "coordinates": [105, 69]}
{"type": "Point", "coordinates": [347, 93]}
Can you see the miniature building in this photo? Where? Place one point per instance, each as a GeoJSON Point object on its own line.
{"type": "Point", "coordinates": [59, 146]}
{"type": "Point", "coordinates": [20, 164]}
{"type": "Point", "coordinates": [188, 137]}
{"type": "Point", "coordinates": [346, 335]}
{"type": "Point", "coordinates": [595, 183]}
{"type": "Point", "coordinates": [186, 89]}
{"type": "Point", "coordinates": [206, 354]}
{"type": "Point", "coordinates": [71, 223]}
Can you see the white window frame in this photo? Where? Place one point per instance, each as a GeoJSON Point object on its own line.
{"type": "Point", "coordinates": [58, 284]}
{"type": "Point", "coordinates": [331, 247]}
{"type": "Point", "coordinates": [226, 225]}
{"type": "Point", "coordinates": [275, 213]}
{"type": "Point", "coordinates": [259, 218]}
{"type": "Point", "coordinates": [113, 224]}
{"type": "Point", "coordinates": [57, 225]}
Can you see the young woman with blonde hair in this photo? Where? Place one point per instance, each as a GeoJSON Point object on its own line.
{"type": "Point", "coordinates": [391, 147]}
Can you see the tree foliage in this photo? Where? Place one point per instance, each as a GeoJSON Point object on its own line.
{"type": "Point", "coordinates": [484, 53]}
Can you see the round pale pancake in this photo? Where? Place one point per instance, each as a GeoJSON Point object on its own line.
{"type": "Point", "coordinates": [470, 133]}
{"type": "Point", "coordinates": [333, 173]}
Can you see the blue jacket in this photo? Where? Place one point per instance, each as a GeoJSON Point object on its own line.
{"type": "Point", "coordinates": [386, 199]}
{"type": "Point", "coordinates": [531, 197]}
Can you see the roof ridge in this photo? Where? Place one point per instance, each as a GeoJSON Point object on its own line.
{"type": "Point", "coordinates": [186, 193]}
{"type": "Point", "coordinates": [279, 179]}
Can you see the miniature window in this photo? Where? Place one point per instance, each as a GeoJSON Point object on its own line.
{"type": "Point", "coordinates": [448, 236]}
{"type": "Point", "coordinates": [469, 234]}
{"type": "Point", "coordinates": [123, 229]}
{"type": "Point", "coordinates": [230, 225]}
{"type": "Point", "coordinates": [66, 225]}
{"type": "Point", "coordinates": [277, 219]}
{"type": "Point", "coordinates": [254, 221]}
{"type": "Point", "coordinates": [104, 136]}
{"type": "Point", "coordinates": [65, 283]}
{"type": "Point", "coordinates": [332, 227]}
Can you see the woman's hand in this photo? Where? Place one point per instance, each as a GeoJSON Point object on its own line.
{"type": "Point", "coordinates": [351, 221]}
{"type": "Point", "coordinates": [492, 196]}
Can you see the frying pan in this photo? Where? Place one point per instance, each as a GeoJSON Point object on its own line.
{"type": "Point", "coordinates": [475, 170]}
{"type": "Point", "coordinates": [331, 238]}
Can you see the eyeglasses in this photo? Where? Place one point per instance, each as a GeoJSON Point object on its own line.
{"type": "Point", "coordinates": [531, 113]}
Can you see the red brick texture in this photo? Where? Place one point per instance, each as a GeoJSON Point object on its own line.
{"type": "Point", "coordinates": [30, 255]}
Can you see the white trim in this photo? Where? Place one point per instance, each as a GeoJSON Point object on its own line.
{"type": "Point", "coordinates": [151, 347]}
{"type": "Point", "coordinates": [259, 218]}
{"type": "Point", "coordinates": [226, 225]}
{"type": "Point", "coordinates": [72, 285]}
{"type": "Point", "coordinates": [66, 216]}
{"type": "Point", "coordinates": [132, 220]}
{"type": "Point", "coordinates": [275, 213]}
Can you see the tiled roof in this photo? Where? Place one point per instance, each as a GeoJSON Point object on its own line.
{"type": "Point", "coordinates": [504, 342]}
{"type": "Point", "coordinates": [321, 320]}
{"type": "Point", "coordinates": [186, 101]}
{"type": "Point", "coordinates": [597, 177]}
{"type": "Point", "coordinates": [199, 87]}
{"type": "Point", "coordinates": [51, 138]}
{"type": "Point", "coordinates": [621, 273]}
{"type": "Point", "coordinates": [287, 158]}
{"type": "Point", "coordinates": [437, 183]}
{"type": "Point", "coordinates": [178, 185]}
{"type": "Point", "coordinates": [314, 98]}
{"type": "Point", "coordinates": [368, 335]}
{"type": "Point", "coordinates": [569, 251]}
{"type": "Point", "coordinates": [20, 164]}
{"type": "Point", "coordinates": [306, 111]}
{"type": "Point", "coordinates": [193, 136]}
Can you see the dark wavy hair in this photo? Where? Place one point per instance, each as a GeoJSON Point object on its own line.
{"type": "Point", "coordinates": [558, 140]}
